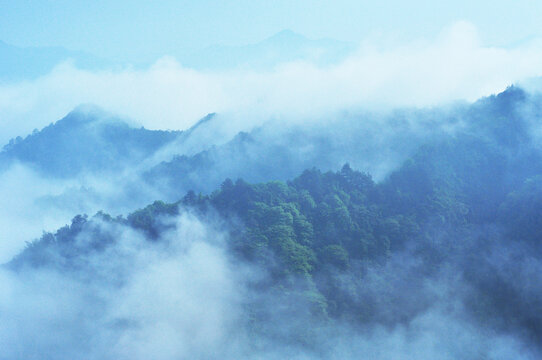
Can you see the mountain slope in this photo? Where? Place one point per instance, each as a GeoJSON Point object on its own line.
{"type": "Point", "coordinates": [86, 140]}
{"type": "Point", "coordinates": [338, 247]}
{"type": "Point", "coordinates": [374, 143]}
{"type": "Point", "coordinates": [448, 242]}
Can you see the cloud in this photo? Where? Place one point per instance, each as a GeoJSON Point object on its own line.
{"type": "Point", "coordinates": [21, 217]}
{"type": "Point", "coordinates": [33, 203]}
{"type": "Point", "coordinates": [452, 67]}
{"type": "Point", "coordinates": [133, 300]}
{"type": "Point", "coordinates": [186, 297]}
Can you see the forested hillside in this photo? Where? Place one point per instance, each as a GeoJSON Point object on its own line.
{"type": "Point", "coordinates": [457, 225]}
{"type": "Point", "coordinates": [87, 140]}
{"type": "Point", "coordinates": [376, 143]}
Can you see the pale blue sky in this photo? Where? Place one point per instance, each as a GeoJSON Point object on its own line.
{"type": "Point", "coordinates": [141, 30]}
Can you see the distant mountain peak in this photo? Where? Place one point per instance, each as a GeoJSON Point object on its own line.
{"type": "Point", "coordinates": [282, 47]}
{"type": "Point", "coordinates": [286, 35]}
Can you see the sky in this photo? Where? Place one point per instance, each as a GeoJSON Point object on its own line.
{"type": "Point", "coordinates": [143, 30]}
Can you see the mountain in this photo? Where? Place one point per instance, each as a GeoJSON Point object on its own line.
{"type": "Point", "coordinates": [86, 140]}
{"type": "Point", "coordinates": [283, 47]}
{"type": "Point", "coordinates": [374, 143]}
{"type": "Point", "coordinates": [322, 264]}
{"type": "Point", "coordinates": [280, 151]}
{"type": "Point", "coordinates": [456, 226]}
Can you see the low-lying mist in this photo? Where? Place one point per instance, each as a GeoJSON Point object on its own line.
{"type": "Point", "coordinates": [135, 299]}
{"type": "Point", "coordinates": [189, 296]}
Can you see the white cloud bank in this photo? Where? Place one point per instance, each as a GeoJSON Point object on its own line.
{"type": "Point", "coordinates": [21, 217]}
{"type": "Point", "coordinates": [455, 66]}
{"type": "Point", "coordinates": [134, 300]}
{"type": "Point", "coordinates": [186, 297]}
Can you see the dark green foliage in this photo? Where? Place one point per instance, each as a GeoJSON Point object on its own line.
{"type": "Point", "coordinates": [149, 218]}
{"type": "Point", "coordinates": [300, 219]}
{"type": "Point", "coordinates": [292, 230]}
{"type": "Point", "coordinates": [335, 255]}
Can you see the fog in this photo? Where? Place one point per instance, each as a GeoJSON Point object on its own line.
{"type": "Point", "coordinates": [84, 172]}
{"type": "Point", "coordinates": [33, 203]}
{"type": "Point", "coordinates": [21, 219]}
{"type": "Point", "coordinates": [460, 169]}
{"type": "Point", "coordinates": [188, 296]}
{"type": "Point", "coordinates": [121, 303]}
{"type": "Point", "coordinates": [168, 95]}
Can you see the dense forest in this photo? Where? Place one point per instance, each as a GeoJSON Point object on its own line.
{"type": "Point", "coordinates": [456, 228]}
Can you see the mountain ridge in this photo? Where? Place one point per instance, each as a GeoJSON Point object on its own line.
{"type": "Point", "coordinates": [87, 139]}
